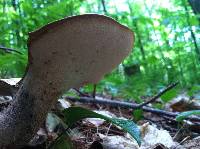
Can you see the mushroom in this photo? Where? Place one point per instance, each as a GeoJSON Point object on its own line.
{"type": "Point", "coordinates": [64, 54]}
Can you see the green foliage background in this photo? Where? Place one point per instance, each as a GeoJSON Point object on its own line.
{"type": "Point", "coordinates": [166, 47]}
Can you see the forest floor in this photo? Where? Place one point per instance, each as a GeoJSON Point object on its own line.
{"type": "Point", "coordinates": [159, 129]}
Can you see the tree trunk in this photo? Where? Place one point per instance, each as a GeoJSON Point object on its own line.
{"type": "Point", "coordinates": [138, 34]}
{"type": "Point", "coordinates": [197, 50]}
{"type": "Point", "coordinates": [195, 4]}
{"type": "Point", "coordinates": [104, 6]}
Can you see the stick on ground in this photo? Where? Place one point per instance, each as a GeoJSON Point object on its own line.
{"type": "Point", "coordinates": [153, 99]}
{"type": "Point", "coordinates": [127, 105]}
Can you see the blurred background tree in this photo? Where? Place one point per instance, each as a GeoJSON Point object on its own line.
{"type": "Point", "coordinates": [167, 40]}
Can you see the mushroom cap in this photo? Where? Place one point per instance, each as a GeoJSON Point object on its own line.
{"type": "Point", "coordinates": [77, 50]}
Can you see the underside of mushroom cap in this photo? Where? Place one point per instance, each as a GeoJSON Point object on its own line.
{"type": "Point", "coordinates": [77, 50]}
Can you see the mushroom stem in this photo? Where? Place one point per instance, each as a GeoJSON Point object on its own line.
{"type": "Point", "coordinates": [25, 115]}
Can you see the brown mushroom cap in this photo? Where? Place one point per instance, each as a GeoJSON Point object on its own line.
{"type": "Point", "coordinates": [77, 50]}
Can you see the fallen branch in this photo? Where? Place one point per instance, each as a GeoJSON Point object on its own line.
{"type": "Point", "coordinates": [127, 105]}
{"type": "Point", "coordinates": [158, 95]}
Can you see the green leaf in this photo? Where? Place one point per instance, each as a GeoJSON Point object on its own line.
{"type": "Point", "coordinates": [195, 89]}
{"type": "Point", "coordinates": [137, 114]}
{"type": "Point", "coordinates": [74, 114]}
{"type": "Point", "coordinates": [186, 114]}
{"type": "Point", "coordinates": [64, 142]}
{"type": "Point", "coordinates": [158, 105]}
{"type": "Point", "coordinates": [169, 95]}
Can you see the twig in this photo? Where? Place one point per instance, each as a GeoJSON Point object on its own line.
{"type": "Point", "coordinates": [158, 95]}
{"type": "Point", "coordinates": [94, 91]}
{"type": "Point", "coordinates": [108, 129]}
{"type": "Point", "coordinates": [9, 50]}
{"type": "Point", "coordinates": [81, 93]}
{"type": "Point", "coordinates": [115, 103]}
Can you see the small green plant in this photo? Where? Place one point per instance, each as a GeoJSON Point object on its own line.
{"type": "Point", "coordinates": [186, 114]}
{"type": "Point", "coordinates": [74, 114]}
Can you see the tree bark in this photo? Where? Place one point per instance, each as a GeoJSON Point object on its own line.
{"type": "Point", "coordinates": [138, 34]}
{"type": "Point", "coordinates": [195, 4]}
{"type": "Point", "coordinates": [197, 50]}
{"type": "Point", "coordinates": [104, 6]}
